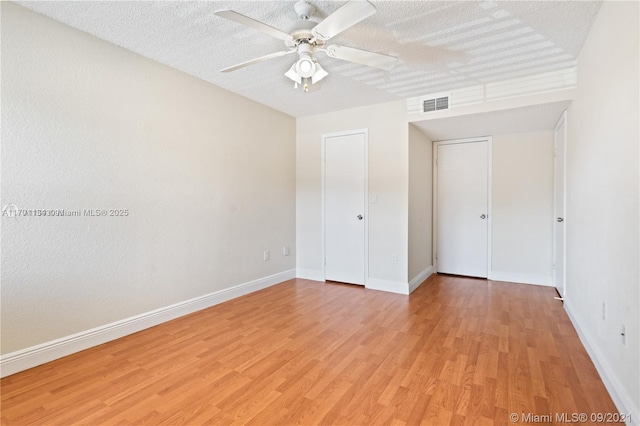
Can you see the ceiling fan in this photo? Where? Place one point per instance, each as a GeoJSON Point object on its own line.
{"type": "Point", "coordinates": [309, 38]}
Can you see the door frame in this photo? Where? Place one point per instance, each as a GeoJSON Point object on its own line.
{"type": "Point", "coordinates": [434, 247]}
{"type": "Point", "coordinates": [325, 136]}
{"type": "Point", "coordinates": [562, 121]}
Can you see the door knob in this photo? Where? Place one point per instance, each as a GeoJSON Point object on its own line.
{"type": "Point", "coordinates": [560, 219]}
{"type": "Point", "coordinates": [484, 216]}
{"type": "Point", "coordinates": [359, 217]}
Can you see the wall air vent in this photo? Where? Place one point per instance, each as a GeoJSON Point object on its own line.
{"type": "Point", "coordinates": [435, 103]}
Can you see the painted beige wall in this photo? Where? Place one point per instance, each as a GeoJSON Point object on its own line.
{"type": "Point", "coordinates": [420, 201]}
{"type": "Point", "coordinates": [208, 178]}
{"type": "Point", "coordinates": [603, 196]}
{"type": "Point", "coordinates": [388, 187]}
{"type": "Point", "coordinates": [522, 208]}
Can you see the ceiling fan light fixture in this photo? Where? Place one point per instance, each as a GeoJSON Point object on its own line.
{"type": "Point", "coordinates": [293, 75]}
{"type": "Point", "coordinates": [305, 67]}
{"type": "Point", "coordinates": [307, 37]}
{"type": "Point", "coordinates": [319, 74]}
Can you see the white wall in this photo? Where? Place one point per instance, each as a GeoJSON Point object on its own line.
{"type": "Point", "coordinates": [603, 200]}
{"type": "Point", "coordinates": [420, 202]}
{"type": "Point", "coordinates": [88, 125]}
{"type": "Point", "coordinates": [522, 208]}
{"type": "Point", "coordinates": [388, 189]}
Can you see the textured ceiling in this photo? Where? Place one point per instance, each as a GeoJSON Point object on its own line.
{"type": "Point", "coordinates": [441, 45]}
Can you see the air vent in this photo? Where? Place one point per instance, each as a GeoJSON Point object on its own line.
{"type": "Point", "coordinates": [429, 105]}
{"type": "Point", "coordinates": [435, 103]}
{"type": "Point", "coordinates": [442, 103]}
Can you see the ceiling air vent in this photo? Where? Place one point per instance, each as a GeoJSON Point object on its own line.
{"type": "Point", "coordinates": [435, 103]}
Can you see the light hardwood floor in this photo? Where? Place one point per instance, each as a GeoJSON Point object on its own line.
{"type": "Point", "coordinates": [457, 351]}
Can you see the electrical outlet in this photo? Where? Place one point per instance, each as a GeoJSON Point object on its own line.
{"type": "Point", "coordinates": [623, 334]}
{"type": "Point", "coordinates": [266, 255]}
{"type": "Point", "coordinates": [604, 311]}
{"type": "Point", "coordinates": [285, 251]}
{"type": "Point", "coordinates": [394, 259]}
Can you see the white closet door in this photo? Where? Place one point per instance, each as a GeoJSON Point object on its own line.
{"type": "Point", "coordinates": [462, 208]}
{"type": "Point", "coordinates": [345, 208]}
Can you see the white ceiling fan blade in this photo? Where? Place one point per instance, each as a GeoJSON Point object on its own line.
{"type": "Point", "coordinates": [343, 18]}
{"type": "Point", "coordinates": [258, 60]}
{"type": "Point", "coordinates": [252, 23]}
{"type": "Point", "coordinates": [363, 57]}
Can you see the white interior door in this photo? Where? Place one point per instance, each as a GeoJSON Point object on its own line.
{"type": "Point", "coordinates": [345, 221]}
{"type": "Point", "coordinates": [462, 208]}
{"type": "Point", "coordinates": [559, 204]}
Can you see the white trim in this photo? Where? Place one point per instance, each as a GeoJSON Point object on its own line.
{"type": "Point", "coordinates": [420, 278]}
{"type": "Point", "coordinates": [489, 204]}
{"type": "Point", "coordinates": [325, 136]}
{"type": "Point", "coordinates": [309, 274]}
{"type": "Point", "coordinates": [389, 286]}
{"type": "Point", "coordinates": [434, 242]}
{"type": "Point", "coordinates": [561, 122]}
{"type": "Point", "coordinates": [623, 401]}
{"type": "Point", "coordinates": [434, 207]}
{"type": "Point", "coordinates": [45, 352]}
{"type": "Point", "coordinates": [514, 277]}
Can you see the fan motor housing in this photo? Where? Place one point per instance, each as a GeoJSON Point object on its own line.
{"type": "Point", "coordinates": [301, 33]}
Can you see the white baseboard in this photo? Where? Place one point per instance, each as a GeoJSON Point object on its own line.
{"type": "Point", "coordinates": [372, 283]}
{"type": "Point", "coordinates": [620, 397]}
{"type": "Point", "coordinates": [420, 278]}
{"type": "Point", "coordinates": [390, 286]}
{"type": "Point", "coordinates": [309, 274]}
{"type": "Point", "coordinates": [521, 278]}
{"type": "Point", "coordinates": [30, 357]}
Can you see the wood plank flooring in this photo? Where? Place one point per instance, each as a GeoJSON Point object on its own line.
{"type": "Point", "coordinates": [457, 351]}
